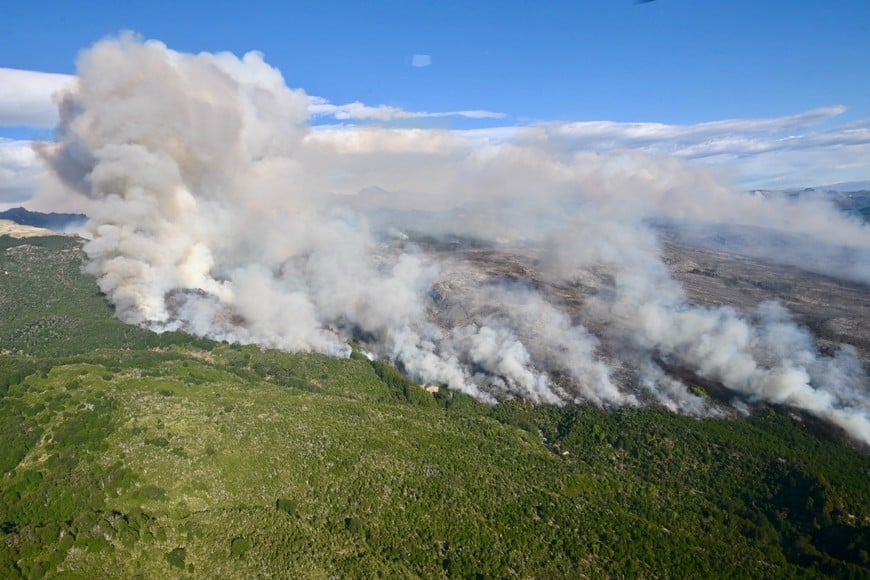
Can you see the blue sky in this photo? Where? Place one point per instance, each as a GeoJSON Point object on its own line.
{"type": "Point", "coordinates": [672, 62]}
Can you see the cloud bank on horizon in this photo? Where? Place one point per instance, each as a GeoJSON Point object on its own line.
{"type": "Point", "coordinates": [799, 150]}
{"type": "Point", "coordinates": [216, 208]}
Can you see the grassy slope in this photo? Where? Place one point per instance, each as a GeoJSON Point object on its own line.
{"type": "Point", "coordinates": [126, 453]}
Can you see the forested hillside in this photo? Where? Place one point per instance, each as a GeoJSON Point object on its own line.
{"type": "Point", "coordinates": [130, 454]}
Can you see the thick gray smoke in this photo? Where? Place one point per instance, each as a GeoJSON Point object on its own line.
{"type": "Point", "coordinates": [216, 209]}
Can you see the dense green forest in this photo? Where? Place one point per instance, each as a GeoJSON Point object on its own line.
{"type": "Point", "coordinates": [131, 454]}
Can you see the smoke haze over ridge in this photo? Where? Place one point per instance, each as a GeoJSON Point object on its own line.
{"type": "Point", "coordinates": [215, 208]}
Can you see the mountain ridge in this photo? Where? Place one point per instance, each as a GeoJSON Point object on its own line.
{"type": "Point", "coordinates": [52, 220]}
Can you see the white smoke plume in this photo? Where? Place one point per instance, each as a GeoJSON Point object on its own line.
{"type": "Point", "coordinates": [216, 209]}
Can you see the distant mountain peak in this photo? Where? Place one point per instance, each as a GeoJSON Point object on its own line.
{"type": "Point", "coordinates": [51, 221]}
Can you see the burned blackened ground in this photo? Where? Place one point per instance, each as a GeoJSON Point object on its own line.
{"type": "Point", "coordinates": [836, 312]}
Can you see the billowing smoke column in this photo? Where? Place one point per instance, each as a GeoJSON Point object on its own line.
{"type": "Point", "coordinates": [216, 209]}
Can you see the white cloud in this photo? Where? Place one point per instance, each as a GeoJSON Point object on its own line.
{"type": "Point", "coordinates": [737, 135]}
{"type": "Point", "coordinates": [26, 100]}
{"type": "Point", "coordinates": [780, 151]}
{"type": "Point", "coordinates": [776, 151]}
{"type": "Point", "coordinates": [421, 60]}
{"type": "Point", "coordinates": [320, 107]}
{"type": "Point", "coordinates": [26, 97]}
{"type": "Point", "coordinates": [19, 172]}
